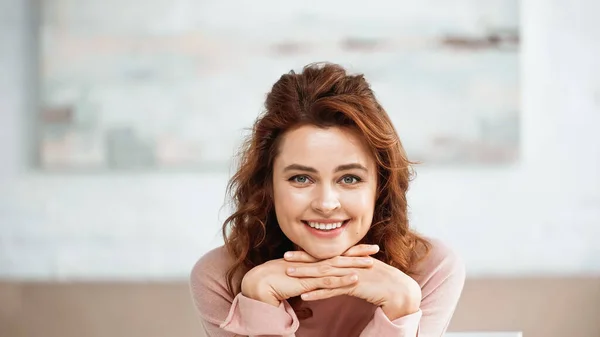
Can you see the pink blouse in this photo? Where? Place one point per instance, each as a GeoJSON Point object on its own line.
{"type": "Point", "coordinates": [441, 277]}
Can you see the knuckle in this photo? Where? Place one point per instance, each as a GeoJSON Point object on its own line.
{"type": "Point", "coordinates": [325, 268]}
{"type": "Point", "coordinates": [327, 281]}
{"type": "Point", "coordinates": [346, 280]}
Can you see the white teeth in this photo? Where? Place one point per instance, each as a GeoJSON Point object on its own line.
{"type": "Point", "coordinates": [325, 227]}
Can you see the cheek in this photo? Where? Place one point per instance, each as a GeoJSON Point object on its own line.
{"type": "Point", "coordinates": [290, 202]}
{"type": "Point", "coordinates": [360, 203]}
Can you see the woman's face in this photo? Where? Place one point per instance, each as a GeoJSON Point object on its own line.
{"type": "Point", "coordinates": [324, 188]}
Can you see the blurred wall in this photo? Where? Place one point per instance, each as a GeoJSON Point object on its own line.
{"type": "Point", "coordinates": [539, 216]}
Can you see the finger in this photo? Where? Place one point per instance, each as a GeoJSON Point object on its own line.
{"type": "Point", "coordinates": [321, 294]}
{"type": "Point", "coordinates": [337, 266]}
{"type": "Point", "coordinates": [299, 256]}
{"type": "Point", "coordinates": [330, 282]}
{"type": "Point", "coordinates": [358, 250]}
{"type": "Point", "coordinates": [361, 250]}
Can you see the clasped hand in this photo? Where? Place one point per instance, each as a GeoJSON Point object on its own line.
{"type": "Point", "coordinates": [354, 273]}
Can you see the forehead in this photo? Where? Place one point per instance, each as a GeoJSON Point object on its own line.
{"type": "Point", "coordinates": [323, 147]}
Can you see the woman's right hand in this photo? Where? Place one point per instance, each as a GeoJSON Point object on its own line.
{"type": "Point", "coordinates": [269, 282]}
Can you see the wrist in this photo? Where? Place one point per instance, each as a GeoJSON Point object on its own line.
{"type": "Point", "coordinates": [394, 311]}
{"type": "Point", "coordinates": [255, 292]}
{"type": "Point", "coordinates": [403, 304]}
{"type": "Point", "coordinates": [265, 299]}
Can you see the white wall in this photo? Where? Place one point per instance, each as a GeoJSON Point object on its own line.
{"type": "Point", "coordinates": [540, 216]}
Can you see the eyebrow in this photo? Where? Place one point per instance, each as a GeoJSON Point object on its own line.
{"type": "Point", "coordinates": [345, 167]}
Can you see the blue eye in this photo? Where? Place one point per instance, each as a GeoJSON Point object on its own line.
{"type": "Point", "coordinates": [300, 179]}
{"type": "Point", "coordinates": [350, 180]}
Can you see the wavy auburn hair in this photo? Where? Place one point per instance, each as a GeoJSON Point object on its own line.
{"type": "Point", "coordinates": [323, 95]}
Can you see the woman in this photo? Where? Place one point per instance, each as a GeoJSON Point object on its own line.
{"type": "Point", "coordinates": [319, 243]}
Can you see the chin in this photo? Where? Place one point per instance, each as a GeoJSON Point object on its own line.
{"type": "Point", "coordinates": [325, 253]}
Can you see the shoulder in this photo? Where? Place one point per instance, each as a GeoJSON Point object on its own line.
{"type": "Point", "coordinates": [209, 274]}
{"type": "Point", "coordinates": [442, 264]}
{"type": "Point", "coordinates": [215, 261]}
{"type": "Point", "coordinates": [208, 286]}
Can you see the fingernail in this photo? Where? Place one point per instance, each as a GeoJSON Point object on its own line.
{"type": "Point", "coordinates": [291, 270]}
{"type": "Point", "coordinates": [376, 247]}
{"type": "Point", "coordinates": [366, 261]}
{"type": "Point", "coordinates": [288, 255]}
{"type": "Point", "coordinates": [353, 278]}
{"type": "Point", "coordinates": [305, 296]}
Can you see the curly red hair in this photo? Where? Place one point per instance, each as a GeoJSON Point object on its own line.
{"type": "Point", "coordinates": [323, 95]}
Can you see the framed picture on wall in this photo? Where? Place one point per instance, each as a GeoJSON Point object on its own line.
{"type": "Point", "coordinates": [177, 84]}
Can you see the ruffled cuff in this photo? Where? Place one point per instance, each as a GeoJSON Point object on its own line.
{"type": "Point", "coordinates": [381, 326]}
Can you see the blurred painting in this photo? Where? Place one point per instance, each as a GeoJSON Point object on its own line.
{"type": "Point", "coordinates": [152, 85]}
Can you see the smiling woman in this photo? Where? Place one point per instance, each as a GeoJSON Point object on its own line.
{"type": "Point", "coordinates": [336, 169]}
{"type": "Point", "coordinates": [321, 214]}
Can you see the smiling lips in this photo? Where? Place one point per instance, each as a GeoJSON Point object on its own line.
{"type": "Point", "coordinates": [325, 225]}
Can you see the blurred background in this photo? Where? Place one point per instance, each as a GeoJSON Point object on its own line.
{"type": "Point", "coordinates": [119, 120]}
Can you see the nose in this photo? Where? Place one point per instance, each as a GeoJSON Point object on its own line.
{"type": "Point", "coordinates": [326, 201]}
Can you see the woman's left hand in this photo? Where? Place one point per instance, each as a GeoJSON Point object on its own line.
{"type": "Point", "coordinates": [395, 292]}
